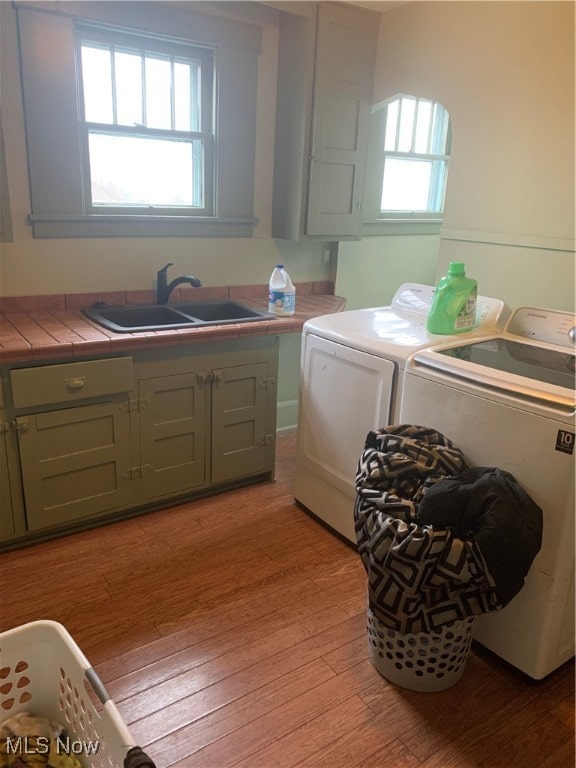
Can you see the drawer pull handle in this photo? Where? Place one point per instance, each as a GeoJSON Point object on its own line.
{"type": "Point", "coordinates": [75, 384]}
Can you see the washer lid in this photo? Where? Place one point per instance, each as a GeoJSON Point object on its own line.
{"type": "Point", "coordinates": [532, 362]}
{"type": "Point", "coordinates": [520, 369]}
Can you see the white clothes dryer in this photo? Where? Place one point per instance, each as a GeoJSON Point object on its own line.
{"type": "Point", "coordinates": [351, 370]}
{"type": "Point", "coordinates": [508, 401]}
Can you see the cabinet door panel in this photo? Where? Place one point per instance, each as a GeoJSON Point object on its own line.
{"type": "Point", "coordinates": [173, 434]}
{"type": "Point", "coordinates": [240, 446]}
{"type": "Point", "coordinates": [343, 81]}
{"type": "Point", "coordinates": [75, 463]}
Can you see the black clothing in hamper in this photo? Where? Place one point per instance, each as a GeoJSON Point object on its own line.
{"type": "Point", "coordinates": [487, 504]}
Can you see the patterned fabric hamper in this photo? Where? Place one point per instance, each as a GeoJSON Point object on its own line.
{"type": "Point", "coordinates": [42, 671]}
{"type": "Point", "coordinates": [442, 543]}
{"type": "Point", "coordinates": [425, 584]}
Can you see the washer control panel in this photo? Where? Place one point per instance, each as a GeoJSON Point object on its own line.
{"type": "Point", "coordinates": [547, 325]}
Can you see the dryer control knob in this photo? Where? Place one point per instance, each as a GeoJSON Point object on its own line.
{"type": "Point", "coordinates": [572, 333]}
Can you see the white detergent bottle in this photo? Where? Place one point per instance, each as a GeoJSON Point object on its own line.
{"type": "Point", "coordinates": [281, 293]}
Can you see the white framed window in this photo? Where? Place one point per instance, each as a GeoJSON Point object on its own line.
{"type": "Point", "coordinates": [410, 142]}
{"type": "Point", "coordinates": [146, 125]}
{"type": "Point", "coordinates": [416, 153]}
{"type": "Point", "coordinates": [140, 119]}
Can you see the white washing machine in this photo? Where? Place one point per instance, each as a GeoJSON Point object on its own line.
{"type": "Point", "coordinates": [508, 401]}
{"type": "Point", "coordinates": [351, 369]}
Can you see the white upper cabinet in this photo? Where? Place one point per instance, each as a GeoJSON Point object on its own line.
{"type": "Point", "coordinates": [325, 81]}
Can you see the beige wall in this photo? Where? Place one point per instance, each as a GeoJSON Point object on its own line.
{"type": "Point", "coordinates": [505, 72]}
{"type": "Point", "coordinates": [33, 266]}
{"type": "Point", "coordinates": [370, 271]}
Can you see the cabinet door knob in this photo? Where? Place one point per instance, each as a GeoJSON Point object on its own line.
{"type": "Point", "coordinates": [74, 384]}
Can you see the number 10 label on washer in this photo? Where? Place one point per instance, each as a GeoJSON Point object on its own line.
{"type": "Point", "coordinates": [565, 441]}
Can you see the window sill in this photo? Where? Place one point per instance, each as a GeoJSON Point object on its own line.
{"type": "Point", "coordinates": [414, 226]}
{"type": "Point", "coordinates": [107, 225]}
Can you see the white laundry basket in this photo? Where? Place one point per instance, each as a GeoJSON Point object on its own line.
{"type": "Point", "coordinates": [426, 661]}
{"type": "Point", "coordinates": [43, 672]}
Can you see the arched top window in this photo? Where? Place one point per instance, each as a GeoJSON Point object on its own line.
{"type": "Point", "coordinates": [411, 140]}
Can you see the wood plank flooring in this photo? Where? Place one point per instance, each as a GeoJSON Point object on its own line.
{"type": "Point", "coordinates": [230, 631]}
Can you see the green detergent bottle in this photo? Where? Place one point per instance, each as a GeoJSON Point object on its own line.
{"type": "Point", "coordinates": [453, 307]}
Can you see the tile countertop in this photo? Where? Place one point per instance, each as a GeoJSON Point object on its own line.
{"type": "Point", "coordinates": [38, 328]}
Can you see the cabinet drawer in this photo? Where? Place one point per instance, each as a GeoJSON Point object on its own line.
{"type": "Point", "coordinates": [69, 382]}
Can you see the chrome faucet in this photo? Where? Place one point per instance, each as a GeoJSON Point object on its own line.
{"type": "Point", "coordinates": [164, 288]}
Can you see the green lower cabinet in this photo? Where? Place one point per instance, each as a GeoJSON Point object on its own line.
{"type": "Point", "coordinates": [75, 463]}
{"type": "Point", "coordinates": [221, 414]}
{"type": "Point", "coordinates": [104, 437]}
{"type": "Point", "coordinates": [172, 434]}
{"type": "Point", "coordinates": [241, 444]}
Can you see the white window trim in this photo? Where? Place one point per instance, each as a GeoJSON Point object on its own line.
{"type": "Point", "coordinates": [51, 112]}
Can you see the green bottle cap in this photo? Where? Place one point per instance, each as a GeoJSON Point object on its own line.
{"type": "Point", "coordinates": [456, 268]}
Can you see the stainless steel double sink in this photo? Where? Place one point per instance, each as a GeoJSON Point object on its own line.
{"type": "Point", "coordinates": [158, 317]}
